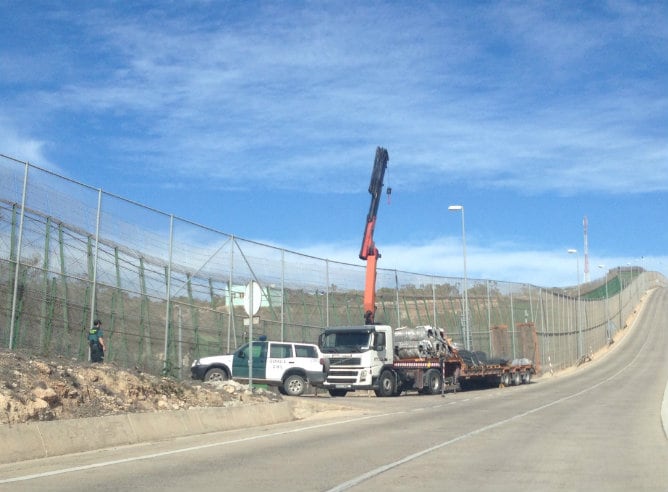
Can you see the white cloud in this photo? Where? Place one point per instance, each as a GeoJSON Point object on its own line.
{"type": "Point", "coordinates": [23, 147]}
{"type": "Point", "coordinates": [505, 101]}
{"type": "Point", "coordinates": [505, 262]}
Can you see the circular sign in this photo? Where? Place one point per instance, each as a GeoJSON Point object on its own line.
{"type": "Point", "coordinates": [253, 294]}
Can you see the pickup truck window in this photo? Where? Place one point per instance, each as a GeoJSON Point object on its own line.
{"type": "Point", "coordinates": [306, 351]}
{"type": "Point", "coordinates": [280, 351]}
{"type": "Point", "coordinates": [259, 350]}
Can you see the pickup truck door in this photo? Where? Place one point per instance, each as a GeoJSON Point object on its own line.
{"type": "Point", "coordinates": [240, 361]}
{"type": "Point", "coordinates": [280, 360]}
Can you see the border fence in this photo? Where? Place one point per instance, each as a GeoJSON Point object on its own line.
{"type": "Point", "coordinates": [169, 290]}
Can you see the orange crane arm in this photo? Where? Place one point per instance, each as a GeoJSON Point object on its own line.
{"type": "Point", "coordinates": [369, 252]}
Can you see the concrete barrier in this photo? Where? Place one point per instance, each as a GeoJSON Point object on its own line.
{"type": "Point", "coordinates": [43, 439]}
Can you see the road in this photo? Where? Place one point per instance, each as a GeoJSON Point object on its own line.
{"type": "Point", "coordinates": [597, 428]}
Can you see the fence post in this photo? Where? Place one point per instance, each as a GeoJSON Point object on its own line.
{"type": "Point", "coordinates": [18, 258]}
{"type": "Point", "coordinates": [433, 299]}
{"type": "Point", "coordinates": [396, 290]}
{"type": "Point", "coordinates": [283, 295]}
{"type": "Point", "coordinates": [327, 293]}
{"type": "Point", "coordinates": [489, 317]}
{"type": "Point", "coordinates": [63, 277]}
{"type": "Point", "coordinates": [169, 289]}
{"type": "Point", "coordinates": [512, 323]}
{"type": "Point", "coordinates": [93, 291]}
{"type": "Point", "coordinates": [230, 326]}
{"type": "Point", "coordinates": [46, 322]}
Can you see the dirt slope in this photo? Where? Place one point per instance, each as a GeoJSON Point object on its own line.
{"type": "Point", "coordinates": [34, 388]}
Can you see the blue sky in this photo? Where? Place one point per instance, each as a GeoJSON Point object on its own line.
{"type": "Point", "coordinates": [262, 119]}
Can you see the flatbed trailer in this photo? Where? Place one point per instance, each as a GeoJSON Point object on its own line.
{"type": "Point", "coordinates": [456, 373]}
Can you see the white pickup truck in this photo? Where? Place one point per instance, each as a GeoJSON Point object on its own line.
{"type": "Point", "coordinates": [287, 365]}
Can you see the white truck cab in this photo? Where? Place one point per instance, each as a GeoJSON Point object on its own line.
{"type": "Point", "coordinates": [357, 357]}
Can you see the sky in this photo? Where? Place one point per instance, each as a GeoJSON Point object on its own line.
{"type": "Point", "coordinates": [262, 118]}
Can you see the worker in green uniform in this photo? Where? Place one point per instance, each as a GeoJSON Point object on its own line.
{"type": "Point", "coordinates": [96, 342]}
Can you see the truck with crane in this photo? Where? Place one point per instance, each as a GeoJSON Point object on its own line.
{"type": "Point", "coordinates": [390, 361]}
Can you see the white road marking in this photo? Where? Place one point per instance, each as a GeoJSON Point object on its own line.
{"type": "Point", "coordinates": [186, 450]}
{"type": "Point", "coordinates": [382, 469]}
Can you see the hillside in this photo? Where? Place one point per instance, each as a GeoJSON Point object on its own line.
{"type": "Point", "coordinates": [39, 389]}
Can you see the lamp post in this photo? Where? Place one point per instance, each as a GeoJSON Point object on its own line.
{"type": "Point", "coordinates": [467, 331]}
{"type": "Point", "coordinates": [607, 311]}
{"type": "Point", "coordinates": [578, 321]}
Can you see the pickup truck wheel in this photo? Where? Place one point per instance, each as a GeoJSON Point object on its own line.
{"type": "Point", "coordinates": [386, 384]}
{"type": "Point", "coordinates": [215, 374]}
{"type": "Point", "coordinates": [294, 385]}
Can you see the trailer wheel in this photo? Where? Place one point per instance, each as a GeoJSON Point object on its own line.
{"type": "Point", "coordinates": [517, 378]}
{"type": "Point", "coordinates": [432, 382]}
{"type": "Point", "coordinates": [526, 379]}
{"type": "Point", "coordinates": [505, 379]}
{"type": "Point", "coordinates": [386, 384]}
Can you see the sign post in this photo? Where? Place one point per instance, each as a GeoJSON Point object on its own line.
{"type": "Point", "coordinates": [252, 301]}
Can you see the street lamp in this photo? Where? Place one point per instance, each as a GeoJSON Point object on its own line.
{"type": "Point", "coordinates": [578, 321]}
{"type": "Point", "coordinates": [607, 311]}
{"type": "Point", "coordinates": [467, 331]}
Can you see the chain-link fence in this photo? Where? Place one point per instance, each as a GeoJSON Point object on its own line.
{"type": "Point", "coordinates": [169, 290]}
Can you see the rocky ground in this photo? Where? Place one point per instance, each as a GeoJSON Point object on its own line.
{"type": "Point", "coordinates": [36, 389]}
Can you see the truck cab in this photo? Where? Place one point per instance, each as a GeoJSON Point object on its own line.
{"type": "Point", "coordinates": [357, 356]}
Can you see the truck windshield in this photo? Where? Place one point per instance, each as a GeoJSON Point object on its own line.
{"type": "Point", "coordinates": [339, 342]}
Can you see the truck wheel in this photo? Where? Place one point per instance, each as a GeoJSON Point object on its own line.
{"type": "Point", "coordinates": [215, 374]}
{"type": "Point", "coordinates": [526, 379]}
{"type": "Point", "coordinates": [505, 379]}
{"type": "Point", "coordinates": [337, 392]}
{"type": "Point", "coordinates": [432, 382]}
{"type": "Point", "coordinates": [294, 385]}
{"type": "Point", "coordinates": [386, 384]}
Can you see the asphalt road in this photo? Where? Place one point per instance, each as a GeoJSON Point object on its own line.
{"type": "Point", "coordinates": [598, 428]}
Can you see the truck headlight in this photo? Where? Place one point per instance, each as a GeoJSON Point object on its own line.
{"type": "Point", "coordinates": [363, 375]}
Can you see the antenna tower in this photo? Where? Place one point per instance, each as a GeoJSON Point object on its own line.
{"type": "Point", "coordinates": [585, 224]}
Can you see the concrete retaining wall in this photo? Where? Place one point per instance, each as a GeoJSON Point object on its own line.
{"type": "Point", "coordinates": [43, 439]}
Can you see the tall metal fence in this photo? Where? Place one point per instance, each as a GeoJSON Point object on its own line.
{"type": "Point", "coordinates": [169, 290]}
